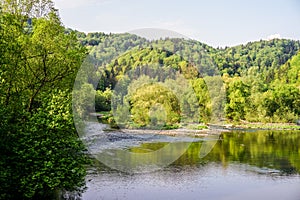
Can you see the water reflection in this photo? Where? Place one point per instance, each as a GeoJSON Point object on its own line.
{"type": "Point", "coordinates": [264, 149]}
{"type": "Point", "coordinates": [241, 165]}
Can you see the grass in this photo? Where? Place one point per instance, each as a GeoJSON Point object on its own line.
{"type": "Point", "coordinates": [268, 126]}
{"type": "Point", "coordinates": [107, 117]}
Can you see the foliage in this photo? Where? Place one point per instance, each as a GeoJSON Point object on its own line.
{"type": "Point", "coordinates": [202, 93]}
{"type": "Point", "coordinates": [267, 56]}
{"type": "Point", "coordinates": [106, 47]}
{"type": "Point", "coordinates": [290, 71]}
{"type": "Point", "coordinates": [237, 99]}
{"type": "Point", "coordinates": [257, 64]}
{"type": "Point", "coordinates": [283, 103]}
{"type": "Point", "coordinates": [40, 150]}
{"type": "Point", "coordinates": [47, 155]}
{"type": "Point", "coordinates": [103, 100]}
{"type": "Point", "coordinates": [154, 105]}
{"type": "Point", "coordinates": [39, 59]}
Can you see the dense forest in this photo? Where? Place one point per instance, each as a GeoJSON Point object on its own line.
{"type": "Point", "coordinates": [143, 83]}
{"type": "Point", "coordinates": [40, 152]}
{"type": "Point", "coordinates": [261, 78]}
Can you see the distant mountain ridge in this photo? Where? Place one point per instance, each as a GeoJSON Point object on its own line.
{"type": "Point", "coordinates": [265, 55]}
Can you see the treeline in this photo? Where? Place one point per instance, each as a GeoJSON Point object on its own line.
{"type": "Point", "coordinates": [41, 154]}
{"type": "Point", "coordinates": [266, 55]}
{"type": "Point", "coordinates": [261, 78]}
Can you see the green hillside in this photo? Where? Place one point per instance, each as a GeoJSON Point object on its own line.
{"type": "Point", "coordinates": [290, 71]}
{"type": "Point", "coordinates": [147, 59]}
{"type": "Point", "coordinates": [264, 55]}
{"type": "Point", "coordinates": [261, 78]}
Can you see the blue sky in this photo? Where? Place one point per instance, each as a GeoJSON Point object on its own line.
{"type": "Point", "coordinates": [215, 22]}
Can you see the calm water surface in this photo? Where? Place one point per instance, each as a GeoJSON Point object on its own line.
{"type": "Point", "coordinates": [241, 165]}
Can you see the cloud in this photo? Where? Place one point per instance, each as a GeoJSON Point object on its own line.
{"type": "Point", "coordinates": [274, 36]}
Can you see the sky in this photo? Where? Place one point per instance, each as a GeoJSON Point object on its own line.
{"type": "Point", "coordinates": [218, 23]}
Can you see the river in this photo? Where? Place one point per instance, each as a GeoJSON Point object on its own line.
{"type": "Point", "coordinates": [236, 165]}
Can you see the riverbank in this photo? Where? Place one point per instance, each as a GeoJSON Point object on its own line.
{"type": "Point", "coordinates": [200, 129]}
{"type": "Point", "coordinates": [265, 126]}
{"type": "Point", "coordinates": [213, 129]}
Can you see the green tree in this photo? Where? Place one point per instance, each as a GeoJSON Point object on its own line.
{"type": "Point", "coordinates": [204, 101]}
{"type": "Point", "coordinates": [150, 101]}
{"type": "Point", "coordinates": [283, 104]}
{"type": "Point", "coordinates": [103, 100]}
{"type": "Point", "coordinates": [40, 150]}
{"type": "Point", "coordinates": [237, 102]}
{"type": "Point", "coordinates": [41, 155]}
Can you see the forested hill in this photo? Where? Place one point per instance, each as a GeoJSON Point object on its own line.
{"type": "Point", "coordinates": [154, 62]}
{"type": "Point", "coordinates": [290, 71]}
{"type": "Point", "coordinates": [265, 56]}
{"type": "Point", "coordinates": [261, 78]}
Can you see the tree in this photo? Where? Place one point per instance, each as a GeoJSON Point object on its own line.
{"type": "Point", "coordinates": [204, 100]}
{"type": "Point", "coordinates": [154, 105]}
{"type": "Point", "coordinates": [283, 103]}
{"type": "Point", "coordinates": [40, 150]}
{"type": "Point", "coordinates": [237, 99]}
{"type": "Point", "coordinates": [41, 155]}
{"type": "Point", "coordinates": [103, 100]}
{"type": "Point", "coordinates": [28, 8]}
